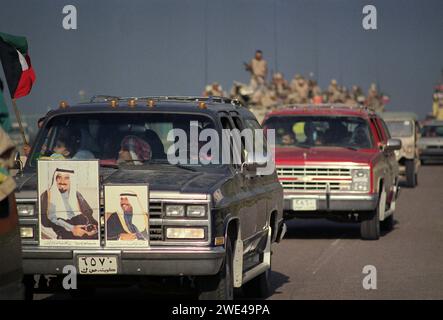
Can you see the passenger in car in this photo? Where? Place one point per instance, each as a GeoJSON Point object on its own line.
{"type": "Point", "coordinates": [64, 148]}
{"type": "Point", "coordinates": [134, 149]}
{"type": "Point", "coordinates": [360, 137]}
{"type": "Point", "coordinates": [288, 139]}
{"type": "Point", "coordinates": [336, 134]}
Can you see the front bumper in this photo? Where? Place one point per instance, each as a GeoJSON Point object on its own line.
{"type": "Point", "coordinates": [155, 262]}
{"type": "Point", "coordinates": [333, 202]}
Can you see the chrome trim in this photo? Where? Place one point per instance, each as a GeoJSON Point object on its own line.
{"type": "Point", "coordinates": [332, 196]}
{"type": "Point", "coordinates": [317, 178]}
{"type": "Point", "coordinates": [105, 251]}
{"type": "Point", "coordinates": [26, 201]}
{"type": "Point", "coordinates": [171, 195]}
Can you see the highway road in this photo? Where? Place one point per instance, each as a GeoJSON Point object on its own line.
{"type": "Point", "coordinates": [319, 259]}
{"type": "Point", "coordinates": [325, 260]}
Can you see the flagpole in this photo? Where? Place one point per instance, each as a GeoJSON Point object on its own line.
{"type": "Point", "coordinates": [19, 120]}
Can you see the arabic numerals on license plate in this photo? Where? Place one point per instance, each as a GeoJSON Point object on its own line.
{"type": "Point", "coordinates": [97, 264]}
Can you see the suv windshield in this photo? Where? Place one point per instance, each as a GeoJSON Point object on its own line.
{"type": "Point", "coordinates": [432, 131]}
{"type": "Point", "coordinates": [130, 138]}
{"type": "Point", "coordinates": [400, 128]}
{"type": "Point", "coordinates": [316, 131]}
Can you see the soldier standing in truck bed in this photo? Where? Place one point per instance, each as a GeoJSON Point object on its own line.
{"type": "Point", "coordinates": [259, 70]}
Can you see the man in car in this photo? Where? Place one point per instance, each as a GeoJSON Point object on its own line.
{"type": "Point", "coordinates": [336, 134]}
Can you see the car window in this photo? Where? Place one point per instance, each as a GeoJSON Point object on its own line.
{"type": "Point", "coordinates": [320, 131]}
{"type": "Point", "coordinates": [400, 128]}
{"type": "Point", "coordinates": [432, 131]}
{"type": "Point", "coordinates": [258, 145]}
{"type": "Point", "coordinates": [385, 129]}
{"type": "Point", "coordinates": [114, 137]}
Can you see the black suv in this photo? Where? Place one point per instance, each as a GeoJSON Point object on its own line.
{"type": "Point", "coordinates": [239, 209]}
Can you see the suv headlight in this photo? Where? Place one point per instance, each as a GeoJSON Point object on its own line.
{"type": "Point", "coordinates": [175, 210]}
{"type": "Point", "coordinates": [25, 209]}
{"type": "Point", "coordinates": [360, 186]}
{"type": "Point", "coordinates": [195, 211]}
{"type": "Point", "coordinates": [360, 179]}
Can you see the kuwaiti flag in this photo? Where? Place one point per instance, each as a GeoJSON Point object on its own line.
{"type": "Point", "coordinates": [16, 64]}
{"type": "Point", "coordinates": [5, 121]}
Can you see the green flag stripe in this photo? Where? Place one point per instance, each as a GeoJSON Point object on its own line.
{"type": "Point", "coordinates": [18, 42]}
{"type": "Point", "coordinates": [5, 121]}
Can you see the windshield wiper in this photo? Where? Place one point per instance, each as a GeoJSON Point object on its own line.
{"type": "Point", "coordinates": [178, 165]}
{"type": "Point", "coordinates": [351, 148]}
{"type": "Point", "coordinates": [182, 166]}
{"type": "Point", "coordinates": [304, 146]}
{"type": "Point", "coordinates": [109, 165]}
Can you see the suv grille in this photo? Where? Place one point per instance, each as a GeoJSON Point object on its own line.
{"type": "Point", "coordinates": [314, 178]}
{"type": "Point", "coordinates": [155, 227]}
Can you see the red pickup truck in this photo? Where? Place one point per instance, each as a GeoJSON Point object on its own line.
{"type": "Point", "coordinates": [336, 162]}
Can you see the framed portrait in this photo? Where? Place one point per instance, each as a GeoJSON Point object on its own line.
{"type": "Point", "coordinates": [127, 215]}
{"type": "Point", "coordinates": [68, 203]}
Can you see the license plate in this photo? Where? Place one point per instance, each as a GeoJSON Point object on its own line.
{"type": "Point", "coordinates": [97, 264]}
{"type": "Point", "coordinates": [304, 204]}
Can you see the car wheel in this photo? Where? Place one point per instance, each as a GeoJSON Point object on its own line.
{"type": "Point", "coordinates": [260, 286]}
{"type": "Point", "coordinates": [82, 293]}
{"type": "Point", "coordinates": [370, 225]}
{"type": "Point", "coordinates": [410, 173]}
{"type": "Point", "coordinates": [388, 223]}
{"type": "Point", "coordinates": [221, 285]}
{"type": "Point", "coordinates": [28, 283]}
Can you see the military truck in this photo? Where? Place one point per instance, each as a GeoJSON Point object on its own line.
{"type": "Point", "coordinates": [405, 126]}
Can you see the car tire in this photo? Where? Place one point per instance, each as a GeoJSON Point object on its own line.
{"type": "Point", "coordinates": [410, 173]}
{"type": "Point", "coordinates": [221, 285]}
{"type": "Point", "coordinates": [260, 286]}
{"type": "Point", "coordinates": [82, 293]}
{"type": "Point", "coordinates": [370, 225]}
{"type": "Point", "coordinates": [28, 283]}
{"type": "Point", "coordinates": [388, 223]}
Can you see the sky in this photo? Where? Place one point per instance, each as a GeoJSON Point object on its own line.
{"type": "Point", "coordinates": [175, 47]}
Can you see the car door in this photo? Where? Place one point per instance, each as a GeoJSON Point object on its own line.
{"type": "Point", "coordinates": [256, 183]}
{"type": "Point", "coordinates": [392, 164]}
{"type": "Point", "coordinates": [244, 198]}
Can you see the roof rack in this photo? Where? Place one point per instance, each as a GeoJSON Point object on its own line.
{"type": "Point", "coordinates": [323, 105]}
{"type": "Point", "coordinates": [211, 99]}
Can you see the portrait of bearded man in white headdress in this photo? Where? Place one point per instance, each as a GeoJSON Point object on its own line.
{"type": "Point", "coordinates": [65, 210]}
{"type": "Point", "coordinates": [130, 221]}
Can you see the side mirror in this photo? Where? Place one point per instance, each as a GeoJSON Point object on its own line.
{"type": "Point", "coordinates": [250, 166]}
{"type": "Point", "coordinates": [393, 144]}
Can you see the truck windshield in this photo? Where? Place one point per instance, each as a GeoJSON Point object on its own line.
{"type": "Point", "coordinates": [320, 131]}
{"type": "Point", "coordinates": [432, 131]}
{"type": "Point", "coordinates": [399, 129]}
{"type": "Point", "coordinates": [116, 138]}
